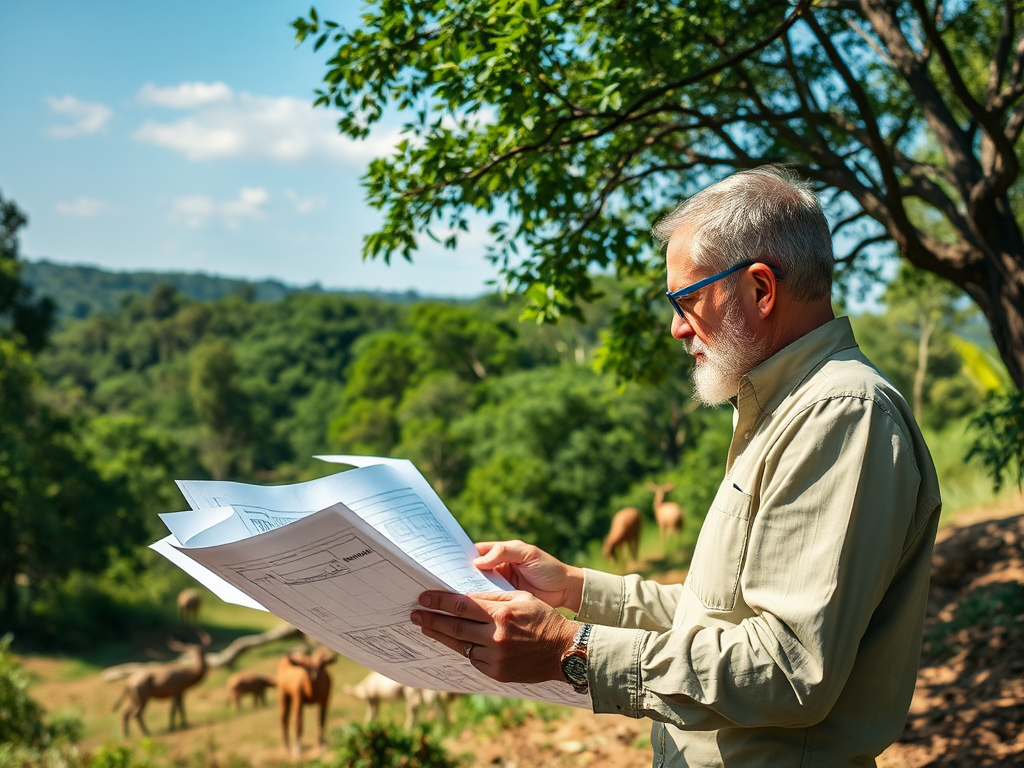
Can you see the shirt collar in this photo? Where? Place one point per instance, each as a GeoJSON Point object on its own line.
{"type": "Point", "coordinates": [764, 388]}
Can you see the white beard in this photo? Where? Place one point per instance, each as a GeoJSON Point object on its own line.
{"type": "Point", "coordinates": [736, 353]}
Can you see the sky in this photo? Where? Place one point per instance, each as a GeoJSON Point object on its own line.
{"type": "Point", "coordinates": [181, 137]}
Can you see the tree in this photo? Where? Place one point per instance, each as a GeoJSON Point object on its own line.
{"type": "Point", "coordinates": [222, 407]}
{"type": "Point", "coordinates": [572, 124]}
{"type": "Point", "coordinates": [929, 304]}
{"type": "Point", "coordinates": [23, 317]}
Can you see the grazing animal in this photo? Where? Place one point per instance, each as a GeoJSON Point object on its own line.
{"type": "Point", "coordinates": [166, 681]}
{"type": "Point", "coordinates": [625, 529]}
{"type": "Point", "coordinates": [375, 688]}
{"type": "Point", "coordinates": [189, 601]}
{"type": "Point", "coordinates": [669, 515]}
{"type": "Point", "coordinates": [303, 679]}
{"type": "Point", "coordinates": [242, 683]}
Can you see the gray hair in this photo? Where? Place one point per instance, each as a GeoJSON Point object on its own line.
{"type": "Point", "coordinates": [766, 214]}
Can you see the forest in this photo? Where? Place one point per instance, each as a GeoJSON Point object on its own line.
{"type": "Point", "coordinates": [516, 424]}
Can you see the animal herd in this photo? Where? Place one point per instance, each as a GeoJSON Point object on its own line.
{"type": "Point", "coordinates": [303, 679]}
{"type": "Point", "coordinates": [624, 532]}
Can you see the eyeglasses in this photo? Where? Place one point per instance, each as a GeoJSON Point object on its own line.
{"type": "Point", "coordinates": [675, 296]}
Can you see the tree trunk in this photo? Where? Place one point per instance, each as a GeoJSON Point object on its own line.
{"type": "Point", "coordinates": [927, 327]}
{"type": "Point", "coordinates": [1001, 299]}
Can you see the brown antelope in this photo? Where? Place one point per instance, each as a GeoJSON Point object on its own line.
{"type": "Point", "coordinates": [303, 679]}
{"type": "Point", "coordinates": [166, 681]}
{"type": "Point", "coordinates": [625, 529]}
{"type": "Point", "coordinates": [242, 683]}
{"type": "Point", "coordinates": [669, 515]}
{"type": "Point", "coordinates": [189, 601]}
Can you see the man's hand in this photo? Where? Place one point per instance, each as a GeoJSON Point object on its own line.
{"type": "Point", "coordinates": [527, 567]}
{"type": "Point", "coordinates": [511, 637]}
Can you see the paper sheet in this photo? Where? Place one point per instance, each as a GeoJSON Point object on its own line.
{"type": "Point", "coordinates": [344, 559]}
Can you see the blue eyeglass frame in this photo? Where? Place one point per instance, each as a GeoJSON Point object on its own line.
{"type": "Point", "coordinates": [674, 296]}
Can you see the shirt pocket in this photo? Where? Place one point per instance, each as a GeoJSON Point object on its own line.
{"type": "Point", "coordinates": [718, 557]}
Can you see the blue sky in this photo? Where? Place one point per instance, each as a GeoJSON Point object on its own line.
{"type": "Point", "coordinates": [180, 136]}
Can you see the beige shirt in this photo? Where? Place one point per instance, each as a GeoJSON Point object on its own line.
{"type": "Point", "coordinates": [796, 638]}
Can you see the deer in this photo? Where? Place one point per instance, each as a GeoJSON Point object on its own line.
{"type": "Point", "coordinates": [242, 683]}
{"type": "Point", "coordinates": [303, 679]}
{"type": "Point", "coordinates": [189, 601]}
{"type": "Point", "coordinates": [375, 688]}
{"type": "Point", "coordinates": [669, 515]}
{"type": "Point", "coordinates": [625, 529]}
{"type": "Point", "coordinates": [166, 681]}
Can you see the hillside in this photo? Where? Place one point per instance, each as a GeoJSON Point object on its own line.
{"type": "Point", "coordinates": [81, 291]}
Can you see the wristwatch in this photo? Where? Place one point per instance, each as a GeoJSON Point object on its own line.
{"type": "Point", "coordinates": [574, 661]}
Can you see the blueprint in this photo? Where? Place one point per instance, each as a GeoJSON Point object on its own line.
{"type": "Point", "coordinates": [344, 559]}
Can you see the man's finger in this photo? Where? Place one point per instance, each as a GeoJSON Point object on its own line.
{"type": "Point", "coordinates": [463, 606]}
{"type": "Point", "coordinates": [495, 553]}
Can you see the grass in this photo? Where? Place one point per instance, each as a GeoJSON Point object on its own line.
{"type": "Point", "coordinates": [963, 484]}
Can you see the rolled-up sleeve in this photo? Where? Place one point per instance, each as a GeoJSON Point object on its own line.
{"type": "Point", "coordinates": [627, 601]}
{"type": "Point", "coordinates": [833, 514]}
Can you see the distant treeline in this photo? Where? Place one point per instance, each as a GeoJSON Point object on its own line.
{"type": "Point", "coordinates": [80, 290]}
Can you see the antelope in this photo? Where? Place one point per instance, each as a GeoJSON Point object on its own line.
{"type": "Point", "coordinates": [166, 681]}
{"type": "Point", "coordinates": [669, 515]}
{"type": "Point", "coordinates": [189, 601]}
{"type": "Point", "coordinates": [303, 679]}
{"type": "Point", "coordinates": [242, 683]}
{"type": "Point", "coordinates": [375, 688]}
{"type": "Point", "coordinates": [625, 529]}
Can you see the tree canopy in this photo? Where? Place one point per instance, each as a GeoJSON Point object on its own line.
{"type": "Point", "coordinates": [572, 125]}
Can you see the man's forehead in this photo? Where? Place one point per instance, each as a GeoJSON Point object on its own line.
{"type": "Point", "coordinates": [677, 252]}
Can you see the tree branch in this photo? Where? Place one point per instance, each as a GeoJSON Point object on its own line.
{"type": "Point", "coordinates": [879, 148]}
{"type": "Point", "coordinates": [725, 64]}
{"type": "Point", "coordinates": [988, 121]}
{"type": "Point", "coordinates": [852, 255]}
{"type": "Point", "coordinates": [997, 67]}
{"type": "Point", "coordinates": [955, 145]}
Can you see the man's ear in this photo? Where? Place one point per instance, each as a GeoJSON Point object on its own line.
{"type": "Point", "coordinates": [765, 288]}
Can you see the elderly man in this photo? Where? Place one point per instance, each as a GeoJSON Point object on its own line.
{"type": "Point", "coordinates": [796, 637]}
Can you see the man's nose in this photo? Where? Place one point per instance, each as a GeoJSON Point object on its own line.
{"type": "Point", "coordinates": [681, 329]}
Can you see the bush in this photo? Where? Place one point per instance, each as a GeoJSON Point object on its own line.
{"type": "Point", "coordinates": [383, 745]}
{"type": "Point", "coordinates": [26, 740]}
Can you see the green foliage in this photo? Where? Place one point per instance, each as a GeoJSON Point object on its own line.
{"type": "Point", "coordinates": [997, 605]}
{"type": "Point", "coordinates": [999, 443]}
{"type": "Point", "coordinates": [502, 713]}
{"type": "Point", "coordinates": [383, 745]}
{"type": "Point", "coordinates": [549, 449]}
{"type": "Point", "coordinates": [23, 317]}
{"type": "Point", "coordinates": [26, 738]}
{"type": "Point", "coordinates": [571, 126]}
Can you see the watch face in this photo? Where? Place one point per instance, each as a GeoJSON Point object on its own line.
{"type": "Point", "coordinates": [575, 669]}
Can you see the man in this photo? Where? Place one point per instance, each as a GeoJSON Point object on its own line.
{"type": "Point", "coordinates": [796, 637]}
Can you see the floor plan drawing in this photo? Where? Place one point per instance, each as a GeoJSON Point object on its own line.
{"type": "Point", "coordinates": [347, 572]}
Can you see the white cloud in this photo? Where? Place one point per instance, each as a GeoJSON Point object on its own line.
{"type": "Point", "coordinates": [305, 204]}
{"type": "Point", "coordinates": [224, 124]}
{"type": "Point", "coordinates": [196, 210]}
{"type": "Point", "coordinates": [85, 208]}
{"type": "Point", "coordinates": [89, 118]}
{"type": "Point", "coordinates": [186, 95]}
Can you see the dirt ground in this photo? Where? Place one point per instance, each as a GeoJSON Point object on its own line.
{"type": "Point", "coordinates": [968, 708]}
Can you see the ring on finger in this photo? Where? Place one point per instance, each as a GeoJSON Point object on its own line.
{"type": "Point", "coordinates": [468, 650]}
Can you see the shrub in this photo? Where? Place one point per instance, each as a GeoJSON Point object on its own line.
{"type": "Point", "coordinates": [383, 745]}
{"type": "Point", "coordinates": [26, 740]}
